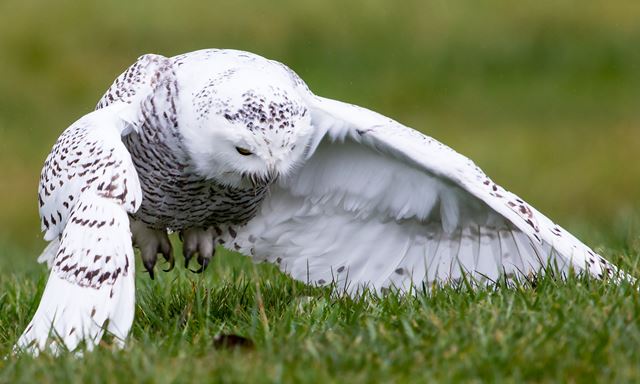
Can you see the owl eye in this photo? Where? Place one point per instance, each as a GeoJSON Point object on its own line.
{"type": "Point", "coordinates": [244, 151]}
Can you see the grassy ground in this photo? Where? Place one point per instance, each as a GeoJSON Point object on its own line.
{"type": "Point", "coordinates": [576, 331]}
{"type": "Point", "coordinates": [542, 95]}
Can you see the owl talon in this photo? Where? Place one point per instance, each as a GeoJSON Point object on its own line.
{"type": "Point", "coordinates": [167, 253]}
{"type": "Point", "coordinates": [187, 257]}
{"type": "Point", "coordinates": [151, 242]}
{"type": "Point", "coordinates": [200, 242]}
{"type": "Point", "coordinates": [149, 267]}
{"type": "Point", "coordinates": [204, 263]}
{"type": "Point", "coordinates": [172, 264]}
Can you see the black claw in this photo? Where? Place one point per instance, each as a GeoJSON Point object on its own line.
{"type": "Point", "coordinates": [203, 265]}
{"type": "Point", "coordinates": [172, 263]}
{"type": "Point", "coordinates": [149, 268]}
{"type": "Point", "coordinates": [170, 259]}
{"type": "Point", "coordinates": [187, 259]}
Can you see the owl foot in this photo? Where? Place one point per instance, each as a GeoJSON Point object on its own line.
{"type": "Point", "coordinates": [151, 242]}
{"type": "Point", "coordinates": [200, 241]}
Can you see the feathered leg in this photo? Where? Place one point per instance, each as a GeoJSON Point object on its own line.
{"type": "Point", "coordinates": [198, 241]}
{"type": "Point", "coordinates": [151, 242]}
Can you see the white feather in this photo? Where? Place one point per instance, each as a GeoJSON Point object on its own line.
{"type": "Point", "coordinates": [90, 288]}
{"type": "Point", "coordinates": [395, 208]}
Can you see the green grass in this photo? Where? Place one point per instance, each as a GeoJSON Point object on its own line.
{"type": "Point", "coordinates": [542, 95]}
{"type": "Point", "coordinates": [578, 330]}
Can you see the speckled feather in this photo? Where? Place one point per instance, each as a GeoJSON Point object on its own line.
{"type": "Point", "coordinates": [176, 196]}
{"type": "Point", "coordinates": [87, 186]}
{"type": "Point", "coordinates": [328, 191]}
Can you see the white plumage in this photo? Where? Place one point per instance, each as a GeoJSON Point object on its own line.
{"type": "Point", "coordinates": [228, 147]}
{"type": "Point", "coordinates": [380, 205]}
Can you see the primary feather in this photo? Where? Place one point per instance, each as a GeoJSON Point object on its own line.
{"type": "Point", "coordinates": [228, 147]}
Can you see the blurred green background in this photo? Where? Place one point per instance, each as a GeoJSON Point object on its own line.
{"type": "Point", "coordinates": [542, 95]}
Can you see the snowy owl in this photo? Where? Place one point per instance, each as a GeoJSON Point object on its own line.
{"type": "Point", "coordinates": [227, 147]}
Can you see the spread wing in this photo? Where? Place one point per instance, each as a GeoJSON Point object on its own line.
{"type": "Point", "coordinates": [380, 205]}
{"type": "Point", "coordinates": [87, 187]}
